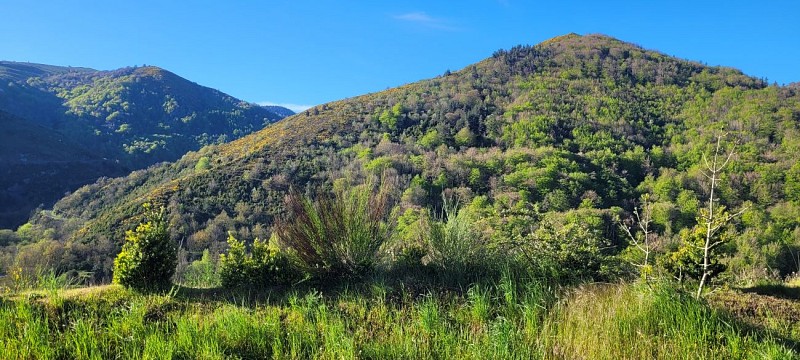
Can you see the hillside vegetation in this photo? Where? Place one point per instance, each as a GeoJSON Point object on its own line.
{"type": "Point", "coordinates": [542, 144]}
{"type": "Point", "coordinates": [109, 122]}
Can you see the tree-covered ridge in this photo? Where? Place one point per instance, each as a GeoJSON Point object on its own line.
{"type": "Point", "coordinates": [129, 118]}
{"type": "Point", "coordinates": [545, 145]}
{"type": "Point", "coordinates": [139, 114]}
{"type": "Point", "coordinates": [20, 71]}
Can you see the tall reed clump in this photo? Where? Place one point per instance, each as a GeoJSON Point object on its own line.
{"type": "Point", "coordinates": [455, 246]}
{"type": "Point", "coordinates": [336, 235]}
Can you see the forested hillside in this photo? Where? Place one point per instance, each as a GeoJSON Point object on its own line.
{"type": "Point", "coordinates": [107, 123]}
{"type": "Point", "coordinates": [547, 147]}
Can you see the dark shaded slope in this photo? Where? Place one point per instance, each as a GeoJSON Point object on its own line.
{"type": "Point", "coordinates": [39, 165]}
{"type": "Point", "coordinates": [280, 110]}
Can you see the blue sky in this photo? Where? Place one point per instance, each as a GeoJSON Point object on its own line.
{"type": "Point", "coordinates": [311, 52]}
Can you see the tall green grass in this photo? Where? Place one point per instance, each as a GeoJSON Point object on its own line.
{"type": "Point", "coordinates": [508, 318]}
{"type": "Point", "coordinates": [643, 322]}
{"type": "Point", "coordinates": [455, 245]}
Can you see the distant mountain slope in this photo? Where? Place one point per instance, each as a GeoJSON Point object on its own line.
{"type": "Point", "coordinates": [134, 117]}
{"type": "Point", "coordinates": [19, 71]}
{"type": "Point", "coordinates": [280, 110]}
{"type": "Point", "coordinates": [38, 164]}
{"type": "Point", "coordinates": [529, 135]}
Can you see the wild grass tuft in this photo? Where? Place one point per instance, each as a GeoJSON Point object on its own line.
{"type": "Point", "coordinates": [637, 321]}
{"type": "Point", "coordinates": [339, 235]}
{"type": "Point", "coordinates": [455, 245]}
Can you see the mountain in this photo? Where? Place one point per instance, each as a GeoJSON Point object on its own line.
{"type": "Point", "coordinates": [568, 131]}
{"type": "Point", "coordinates": [280, 110]}
{"type": "Point", "coordinates": [123, 119]}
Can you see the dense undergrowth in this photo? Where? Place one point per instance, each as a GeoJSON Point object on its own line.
{"type": "Point", "coordinates": [379, 318]}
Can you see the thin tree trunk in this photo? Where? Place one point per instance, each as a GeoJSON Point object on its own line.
{"type": "Point", "coordinates": [707, 246]}
{"type": "Point", "coordinates": [714, 168]}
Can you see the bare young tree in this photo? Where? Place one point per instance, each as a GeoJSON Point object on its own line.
{"type": "Point", "coordinates": [714, 217]}
{"type": "Point", "coordinates": [642, 217]}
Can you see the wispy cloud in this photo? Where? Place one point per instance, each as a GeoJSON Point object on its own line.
{"type": "Point", "coordinates": [294, 107]}
{"type": "Point", "coordinates": [422, 19]}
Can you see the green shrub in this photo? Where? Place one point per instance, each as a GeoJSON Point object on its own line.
{"type": "Point", "coordinates": [337, 235]}
{"type": "Point", "coordinates": [686, 261]}
{"type": "Point", "coordinates": [265, 265]}
{"type": "Point", "coordinates": [454, 243]}
{"type": "Point", "coordinates": [202, 273]}
{"type": "Point", "coordinates": [572, 245]}
{"type": "Point", "coordinates": [379, 164]}
{"type": "Point", "coordinates": [408, 247]}
{"type": "Point", "coordinates": [202, 164]}
{"type": "Point", "coordinates": [465, 137]}
{"type": "Point", "coordinates": [148, 257]}
{"type": "Point", "coordinates": [430, 140]}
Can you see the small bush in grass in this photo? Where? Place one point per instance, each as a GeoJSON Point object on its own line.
{"type": "Point", "coordinates": [337, 235]}
{"type": "Point", "coordinates": [408, 247]}
{"type": "Point", "coordinates": [148, 257]}
{"type": "Point", "coordinates": [572, 246]}
{"type": "Point", "coordinates": [265, 265]}
{"type": "Point", "coordinates": [454, 243]}
{"type": "Point", "coordinates": [202, 273]}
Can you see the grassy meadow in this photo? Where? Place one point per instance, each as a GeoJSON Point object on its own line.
{"type": "Point", "coordinates": [508, 317]}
